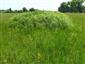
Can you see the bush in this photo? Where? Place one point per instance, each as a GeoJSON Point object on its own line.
{"type": "Point", "coordinates": [24, 9]}
{"type": "Point", "coordinates": [31, 9]}
{"type": "Point", "coordinates": [40, 20]}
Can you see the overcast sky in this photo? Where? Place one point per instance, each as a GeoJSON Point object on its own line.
{"type": "Point", "coordinates": [38, 4]}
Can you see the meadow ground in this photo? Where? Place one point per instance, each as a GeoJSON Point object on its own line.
{"type": "Point", "coordinates": [43, 47]}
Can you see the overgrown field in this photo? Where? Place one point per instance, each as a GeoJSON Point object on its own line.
{"type": "Point", "coordinates": [42, 43]}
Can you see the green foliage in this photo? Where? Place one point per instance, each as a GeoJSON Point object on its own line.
{"type": "Point", "coordinates": [9, 10]}
{"type": "Point", "coordinates": [79, 0]}
{"type": "Point", "coordinates": [73, 6]}
{"type": "Point", "coordinates": [24, 9]}
{"type": "Point", "coordinates": [40, 20]}
{"type": "Point", "coordinates": [42, 46]}
{"type": "Point", "coordinates": [31, 9]}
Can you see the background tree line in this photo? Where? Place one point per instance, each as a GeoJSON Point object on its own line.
{"type": "Point", "coordinates": [24, 9]}
{"type": "Point", "coordinates": [72, 6]}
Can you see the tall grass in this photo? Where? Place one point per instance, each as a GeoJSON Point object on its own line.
{"type": "Point", "coordinates": [23, 43]}
{"type": "Point", "coordinates": [41, 20]}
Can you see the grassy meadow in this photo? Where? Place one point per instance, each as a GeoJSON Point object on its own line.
{"type": "Point", "coordinates": [42, 46]}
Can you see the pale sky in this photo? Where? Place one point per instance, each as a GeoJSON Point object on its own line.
{"type": "Point", "coordinates": [37, 4]}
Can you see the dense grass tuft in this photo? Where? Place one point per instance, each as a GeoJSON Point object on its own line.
{"type": "Point", "coordinates": [41, 20]}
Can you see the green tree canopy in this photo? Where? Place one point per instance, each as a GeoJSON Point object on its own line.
{"type": "Point", "coordinates": [72, 6]}
{"type": "Point", "coordinates": [24, 9]}
{"type": "Point", "coordinates": [79, 0]}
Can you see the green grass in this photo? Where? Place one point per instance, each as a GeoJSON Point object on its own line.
{"type": "Point", "coordinates": [43, 46]}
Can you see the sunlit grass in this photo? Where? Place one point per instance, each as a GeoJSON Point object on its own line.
{"type": "Point", "coordinates": [43, 46]}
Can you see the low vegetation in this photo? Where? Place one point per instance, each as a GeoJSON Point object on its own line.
{"type": "Point", "coordinates": [41, 20]}
{"type": "Point", "coordinates": [42, 38]}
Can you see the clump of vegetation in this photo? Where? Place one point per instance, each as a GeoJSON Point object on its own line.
{"type": "Point", "coordinates": [41, 46]}
{"type": "Point", "coordinates": [40, 20]}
